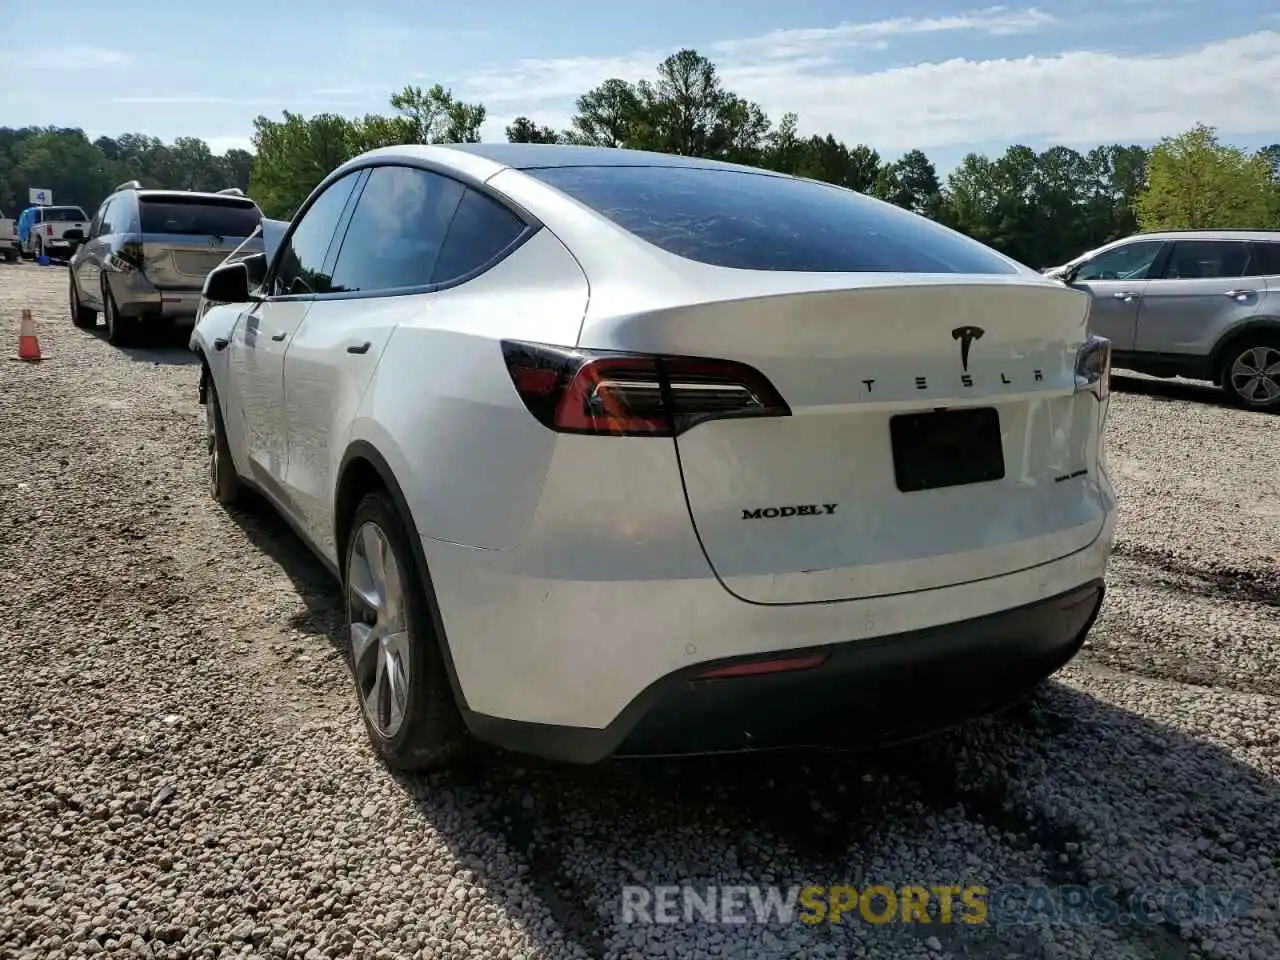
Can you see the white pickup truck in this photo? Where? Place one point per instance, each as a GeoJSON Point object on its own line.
{"type": "Point", "coordinates": [8, 238]}
{"type": "Point", "coordinates": [53, 231]}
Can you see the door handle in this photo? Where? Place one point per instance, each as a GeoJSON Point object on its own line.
{"type": "Point", "coordinates": [359, 347]}
{"type": "Point", "coordinates": [277, 337]}
{"type": "Point", "coordinates": [220, 343]}
{"type": "Point", "coordinates": [1241, 294]}
{"type": "Point", "coordinates": [1126, 296]}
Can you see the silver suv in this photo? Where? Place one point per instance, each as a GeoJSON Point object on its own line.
{"type": "Point", "coordinates": [148, 253]}
{"type": "Point", "coordinates": [1201, 304]}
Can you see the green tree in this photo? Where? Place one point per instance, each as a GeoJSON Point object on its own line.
{"type": "Point", "coordinates": [610, 115]}
{"type": "Point", "coordinates": [294, 154]}
{"type": "Point", "coordinates": [1194, 182]}
{"type": "Point", "coordinates": [435, 116]}
{"type": "Point", "coordinates": [686, 111]}
{"type": "Point", "coordinates": [911, 182]}
{"type": "Point", "coordinates": [524, 130]}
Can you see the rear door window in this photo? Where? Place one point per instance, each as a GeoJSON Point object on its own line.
{"type": "Point", "coordinates": [199, 216]}
{"type": "Point", "coordinates": [756, 221]}
{"type": "Point", "coordinates": [1206, 259]}
{"type": "Point", "coordinates": [481, 229]}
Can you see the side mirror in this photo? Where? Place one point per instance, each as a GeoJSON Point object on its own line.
{"type": "Point", "coordinates": [1068, 275]}
{"type": "Point", "coordinates": [256, 267]}
{"type": "Point", "coordinates": [228, 283]}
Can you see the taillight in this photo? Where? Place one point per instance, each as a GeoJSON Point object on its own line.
{"type": "Point", "coordinates": [48, 230]}
{"type": "Point", "coordinates": [1093, 367]}
{"type": "Point", "coordinates": [129, 256]}
{"type": "Point", "coordinates": [634, 394]}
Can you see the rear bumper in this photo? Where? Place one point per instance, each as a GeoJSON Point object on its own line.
{"type": "Point", "coordinates": [867, 692]}
{"type": "Point", "coordinates": [137, 298]}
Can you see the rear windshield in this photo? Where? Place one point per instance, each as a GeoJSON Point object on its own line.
{"type": "Point", "coordinates": [203, 216]}
{"type": "Point", "coordinates": [55, 214]}
{"type": "Point", "coordinates": [759, 222]}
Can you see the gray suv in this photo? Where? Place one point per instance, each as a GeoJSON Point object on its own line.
{"type": "Point", "coordinates": [1202, 304]}
{"type": "Point", "coordinates": [148, 253]}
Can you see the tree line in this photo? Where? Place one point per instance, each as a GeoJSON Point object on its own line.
{"type": "Point", "coordinates": [1041, 208]}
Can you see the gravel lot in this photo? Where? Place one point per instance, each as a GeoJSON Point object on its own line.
{"type": "Point", "coordinates": [184, 772]}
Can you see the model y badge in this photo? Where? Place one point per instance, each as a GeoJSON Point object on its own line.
{"type": "Point", "coordinates": [799, 510]}
{"type": "Point", "coordinates": [966, 336]}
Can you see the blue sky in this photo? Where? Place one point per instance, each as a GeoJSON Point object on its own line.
{"type": "Point", "coordinates": [949, 78]}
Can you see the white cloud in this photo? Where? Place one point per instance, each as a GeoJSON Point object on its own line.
{"type": "Point", "coordinates": [193, 99]}
{"type": "Point", "coordinates": [327, 99]}
{"type": "Point", "coordinates": [223, 144]}
{"type": "Point", "coordinates": [567, 77]}
{"type": "Point", "coordinates": [76, 56]}
{"type": "Point", "coordinates": [779, 44]}
{"type": "Point", "coordinates": [1077, 96]}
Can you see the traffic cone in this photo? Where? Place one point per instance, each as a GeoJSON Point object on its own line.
{"type": "Point", "coordinates": [28, 342]}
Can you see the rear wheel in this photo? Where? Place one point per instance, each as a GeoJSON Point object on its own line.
{"type": "Point", "coordinates": [120, 330]}
{"type": "Point", "coordinates": [224, 485]}
{"type": "Point", "coordinates": [1251, 373]}
{"type": "Point", "coordinates": [11, 255]}
{"type": "Point", "coordinates": [400, 679]}
{"type": "Point", "coordinates": [81, 316]}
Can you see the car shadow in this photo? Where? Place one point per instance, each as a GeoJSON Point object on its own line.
{"type": "Point", "coordinates": [583, 833]}
{"type": "Point", "coordinates": [1172, 389]}
{"type": "Point", "coordinates": [163, 345]}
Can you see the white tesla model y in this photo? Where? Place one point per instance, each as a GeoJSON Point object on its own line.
{"type": "Point", "coordinates": [617, 453]}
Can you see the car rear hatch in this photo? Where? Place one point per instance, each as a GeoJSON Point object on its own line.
{"type": "Point", "coordinates": [936, 433]}
{"type": "Point", "coordinates": [184, 236]}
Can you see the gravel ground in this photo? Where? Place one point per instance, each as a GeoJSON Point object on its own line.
{"type": "Point", "coordinates": [184, 772]}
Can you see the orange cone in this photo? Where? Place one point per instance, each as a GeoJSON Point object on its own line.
{"type": "Point", "coordinates": [28, 342]}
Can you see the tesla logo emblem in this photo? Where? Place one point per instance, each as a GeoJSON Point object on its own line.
{"type": "Point", "coordinates": [966, 336]}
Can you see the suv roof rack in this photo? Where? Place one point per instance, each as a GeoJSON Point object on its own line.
{"type": "Point", "coordinates": [231, 192]}
{"type": "Point", "coordinates": [128, 185]}
{"type": "Point", "coordinates": [1213, 230]}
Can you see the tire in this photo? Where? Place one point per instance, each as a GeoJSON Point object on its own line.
{"type": "Point", "coordinates": [11, 256]}
{"type": "Point", "coordinates": [224, 484]}
{"type": "Point", "coordinates": [120, 330]}
{"type": "Point", "coordinates": [39, 249]}
{"type": "Point", "coordinates": [1258, 354]}
{"type": "Point", "coordinates": [430, 732]}
{"type": "Point", "coordinates": [81, 316]}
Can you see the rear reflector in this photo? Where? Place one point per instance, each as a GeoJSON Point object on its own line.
{"type": "Point", "coordinates": [632, 394]}
{"type": "Point", "coordinates": [754, 668]}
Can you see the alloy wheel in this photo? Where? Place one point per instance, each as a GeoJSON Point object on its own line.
{"type": "Point", "coordinates": [379, 630]}
{"type": "Point", "coordinates": [211, 437]}
{"type": "Point", "coordinates": [1255, 375]}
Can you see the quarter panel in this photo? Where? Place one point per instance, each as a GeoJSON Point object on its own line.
{"type": "Point", "coordinates": [474, 457]}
